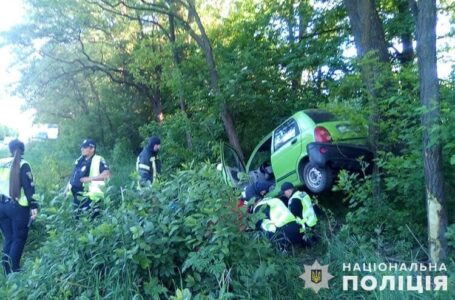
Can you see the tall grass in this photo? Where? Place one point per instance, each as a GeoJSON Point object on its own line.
{"type": "Point", "coordinates": [182, 238]}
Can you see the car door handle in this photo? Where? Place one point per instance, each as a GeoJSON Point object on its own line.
{"type": "Point", "coordinates": [293, 142]}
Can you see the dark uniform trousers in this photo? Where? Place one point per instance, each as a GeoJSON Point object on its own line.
{"type": "Point", "coordinates": [82, 204]}
{"type": "Point", "coordinates": [14, 220]}
{"type": "Point", "coordinates": [286, 236]}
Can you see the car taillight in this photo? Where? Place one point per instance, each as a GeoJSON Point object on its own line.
{"type": "Point", "coordinates": [322, 135]}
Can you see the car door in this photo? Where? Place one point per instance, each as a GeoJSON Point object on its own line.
{"type": "Point", "coordinates": [286, 152]}
{"type": "Point", "coordinates": [232, 167]}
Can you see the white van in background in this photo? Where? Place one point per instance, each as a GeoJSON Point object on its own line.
{"type": "Point", "coordinates": [45, 131]}
{"type": "Point", "coordinates": [52, 131]}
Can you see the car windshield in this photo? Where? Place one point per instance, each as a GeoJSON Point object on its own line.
{"type": "Point", "coordinates": [320, 116]}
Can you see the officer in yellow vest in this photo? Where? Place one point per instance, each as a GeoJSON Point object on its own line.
{"type": "Point", "coordinates": [88, 178]}
{"type": "Point", "coordinates": [279, 223]}
{"type": "Point", "coordinates": [148, 164]}
{"type": "Point", "coordinates": [301, 207]}
{"type": "Point", "coordinates": [17, 209]}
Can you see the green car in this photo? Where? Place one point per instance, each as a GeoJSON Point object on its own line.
{"type": "Point", "coordinates": [307, 150]}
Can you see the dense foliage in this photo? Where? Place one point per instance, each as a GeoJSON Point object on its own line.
{"type": "Point", "coordinates": [183, 237]}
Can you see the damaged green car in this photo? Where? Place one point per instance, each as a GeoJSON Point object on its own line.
{"type": "Point", "coordinates": [307, 149]}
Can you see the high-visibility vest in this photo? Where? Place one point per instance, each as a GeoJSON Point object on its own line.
{"type": "Point", "coordinates": [146, 167]}
{"type": "Point", "coordinates": [309, 218]}
{"type": "Point", "coordinates": [5, 173]}
{"type": "Point", "coordinates": [153, 164]}
{"type": "Point", "coordinates": [93, 189]}
{"type": "Point", "coordinates": [279, 214]}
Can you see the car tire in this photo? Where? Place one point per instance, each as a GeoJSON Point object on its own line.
{"type": "Point", "coordinates": [316, 179]}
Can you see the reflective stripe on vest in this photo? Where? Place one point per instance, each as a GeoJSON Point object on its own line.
{"type": "Point", "coordinates": [5, 172]}
{"type": "Point", "coordinates": [94, 188]}
{"type": "Point", "coordinates": [153, 162]}
{"type": "Point", "coordinates": [279, 214]}
{"type": "Point", "coordinates": [309, 217]}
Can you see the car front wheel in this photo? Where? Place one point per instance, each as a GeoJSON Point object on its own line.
{"type": "Point", "coordinates": [317, 179]}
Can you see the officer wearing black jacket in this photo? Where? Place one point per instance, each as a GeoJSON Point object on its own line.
{"type": "Point", "coordinates": [254, 192]}
{"type": "Point", "coordinates": [17, 209]}
{"type": "Point", "coordinates": [88, 178]}
{"type": "Point", "coordinates": [148, 164]}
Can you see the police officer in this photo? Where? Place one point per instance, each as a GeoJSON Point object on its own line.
{"type": "Point", "coordinates": [88, 177]}
{"type": "Point", "coordinates": [299, 203]}
{"type": "Point", "coordinates": [301, 207]}
{"type": "Point", "coordinates": [287, 189]}
{"type": "Point", "coordinates": [148, 164]}
{"type": "Point", "coordinates": [17, 209]}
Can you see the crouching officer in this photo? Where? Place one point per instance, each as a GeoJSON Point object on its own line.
{"type": "Point", "coordinates": [301, 207]}
{"type": "Point", "coordinates": [287, 189]}
{"type": "Point", "coordinates": [279, 223]}
{"type": "Point", "coordinates": [88, 179]}
{"type": "Point", "coordinates": [299, 203]}
{"type": "Point", "coordinates": [17, 210]}
{"type": "Point", "coordinates": [148, 164]}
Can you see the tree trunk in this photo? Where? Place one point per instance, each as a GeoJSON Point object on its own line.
{"type": "Point", "coordinates": [177, 59]}
{"type": "Point", "coordinates": [367, 28]}
{"type": "Point", "coordinates": [292, 42]}
{"type": "Point", "coordinates": [432, 154]}
{"type": "Point", "coordinates": [370, 42]}
{"type": "Point", "coordinates": [226, 115]}
{"type": "Point", "coordinates": [156, 95]}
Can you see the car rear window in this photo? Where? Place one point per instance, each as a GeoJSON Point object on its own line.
{"type": "Point", "coordinates": [320, 116]}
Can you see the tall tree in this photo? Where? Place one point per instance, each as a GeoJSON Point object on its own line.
{"type": "Point", "coordinates": [370, 42]}
{"type": "Point", "coordinates": [177, 55]}
{"type": "Point", "coordinates": [194, 26]}
{"type": "Point", "coordinates": [204, 42]}
{"type": "Point", "coordinates": [432, 154]}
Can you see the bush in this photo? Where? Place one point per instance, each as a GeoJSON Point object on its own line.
{"type": "Point", "coordinates": [183, 233]}
{"type": "Point", "coordinates": [52, 163]}
{"type": "Point", "coordinates": [182, 238]}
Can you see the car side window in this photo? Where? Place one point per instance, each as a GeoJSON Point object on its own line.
{"type": "Point", "coordinates": [285, 133]}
